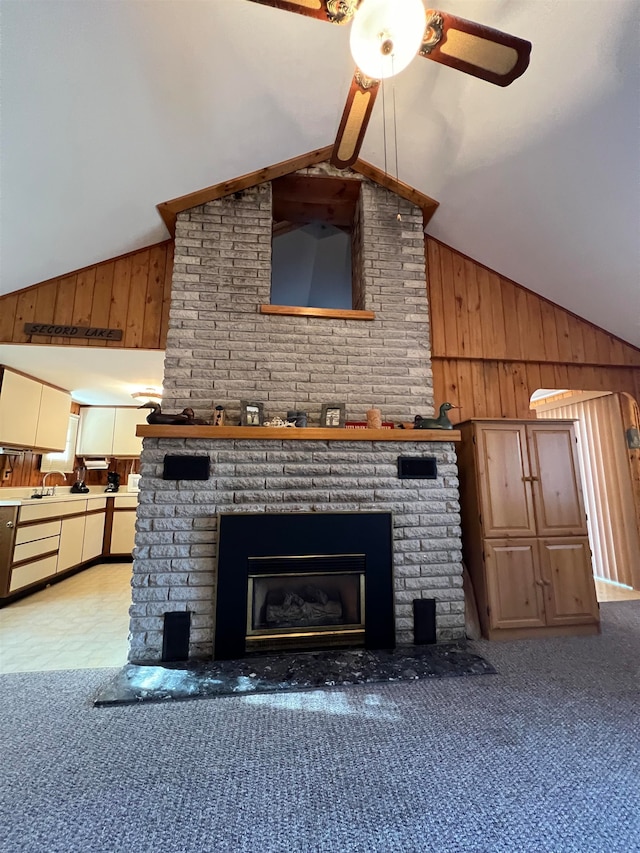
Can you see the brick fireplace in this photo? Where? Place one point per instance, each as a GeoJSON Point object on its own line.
{"type": "Point", "coordinates": [221, 350]}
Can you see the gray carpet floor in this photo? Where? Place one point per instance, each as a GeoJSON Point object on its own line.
{"type": "Point", "coordinates": [541, 758]}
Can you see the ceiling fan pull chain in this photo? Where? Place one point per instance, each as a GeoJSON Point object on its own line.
{"type": "Point", "coordinates": [384, 127]}
{"type": "Point", "coordinates": [395, 140]}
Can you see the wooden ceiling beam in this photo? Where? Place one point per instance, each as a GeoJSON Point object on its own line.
{"type": "Point", "coordinates": [304, 212]}
{"type": "Point", "coordinates": [169, 210]}
{"type": "Point", "coordinates": [316, 189]}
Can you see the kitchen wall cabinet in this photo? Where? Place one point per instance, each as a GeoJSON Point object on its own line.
{"type": "Point", "coordinates": [524, 528]}
{"type": "Point", "coordinates": [32, 414]}
{"type": "Point", "coordinates": [109, 431]}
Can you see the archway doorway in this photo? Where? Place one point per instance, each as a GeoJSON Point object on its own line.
{"type": "Point", "coordinates": [608, 469]}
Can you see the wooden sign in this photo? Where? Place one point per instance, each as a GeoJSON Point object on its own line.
{"type": "Point", "coordinates": [79, 332]}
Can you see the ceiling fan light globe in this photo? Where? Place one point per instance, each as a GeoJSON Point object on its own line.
{"type": "Point", "coordinates": [377, 22]}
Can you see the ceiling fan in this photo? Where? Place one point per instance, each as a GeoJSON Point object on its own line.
{"type": "Point", "coordinates": [387, 34]}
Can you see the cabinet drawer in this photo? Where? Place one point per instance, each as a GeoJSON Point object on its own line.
{"type": "Point", "coordinates": [96, 503]}
{"type": "Point", "coordinates": [126, 502]}
{"type": "Point", "coordinates": [37, 531]}
{"type": "Point", "coordinates": [32, 512]}
{"type": "Point", "coordinates": [35, 548]}
{"type": "Point", "coordinates": [32, 572]}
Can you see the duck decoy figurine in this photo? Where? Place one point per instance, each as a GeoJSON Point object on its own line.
{"type": "Point", "coordinates": [157, 417]}
{"type": "Point", "coordinates": [441, 422]}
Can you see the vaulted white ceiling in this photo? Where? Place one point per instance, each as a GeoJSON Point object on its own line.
{"type": "Point", "coordinates": [109, 108]}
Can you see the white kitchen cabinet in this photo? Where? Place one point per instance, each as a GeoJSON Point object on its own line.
{"type": "Point", "coordinates": [93, 536]}
{"type": "Point", "coordinates": [125, 440]}
{"type": "Point", "coordinates": [19, 409]}
{"type": "Point", "coordinates": [123, 531]}
{"type": "Point", "coordinates": [32, 415]}
{"type": "Point", "coordinates": [53, 419]}
{"type": "Point", "coordinates": [29, 573]}
{"type": "Point", "coordinates": [71, 542]}
{"type": "Point", "coordinates": [96, 431]}
{"type": "Point", "coordinates": [110, 431]}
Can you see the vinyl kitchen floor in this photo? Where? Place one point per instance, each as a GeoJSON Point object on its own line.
{"type": "Point", "coordinates": [79, 623]}
{"type": "Point", "coordinates": [83, 622]}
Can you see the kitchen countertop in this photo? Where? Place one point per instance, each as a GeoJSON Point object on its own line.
{"type": "Point", "coordinates": [22, 496]}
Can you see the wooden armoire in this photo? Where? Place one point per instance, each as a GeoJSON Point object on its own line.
{"type": "Point", "coordinates": [524, 528]}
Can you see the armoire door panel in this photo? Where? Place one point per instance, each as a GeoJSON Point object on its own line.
{"type": "Point", "coordinates": [570, 596]}
{"type": "Point", "coordinates": [557, 489]}
{"type": "Point", "coordinates": [514, 585]}
{"type": "Point", "coordinates": [504, 479]}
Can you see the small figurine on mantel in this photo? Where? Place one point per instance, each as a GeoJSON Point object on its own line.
{"type": "Point", "coordinates": [441, 422]}
{"type": "Point", "coordinates": [156, 416]}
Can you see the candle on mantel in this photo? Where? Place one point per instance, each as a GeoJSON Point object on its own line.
{"type": "Point", "coordinates": [374, 419]}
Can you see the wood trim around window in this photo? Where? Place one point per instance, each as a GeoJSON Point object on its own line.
{"type": "Point", "coordinates": [331, 313]}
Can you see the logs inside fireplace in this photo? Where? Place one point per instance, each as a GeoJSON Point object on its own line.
{"type": "Point", "coordinates": [303, 581]}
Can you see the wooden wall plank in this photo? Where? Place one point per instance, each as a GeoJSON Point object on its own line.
{"type": "Point", "coordinates": [507, 390]}
{"type": "Point", "coordinates": [45, 306]}
{"type": "Point", "coordinates": [476, 347]}
{"type": "Point", "coordinates": [24, 314]}
{"type": "Point", "coordinates": [166, 302]}
{"type": "Point", "coordinates": [478, 389]}
{"type": "Point", "coordinates": [102, 299]}
{"type": "Point", "coordinates": [449, 303]}
{"type": "Point", "coordinates": [120, 297]}
{"type": "Point", "coordinates": [521, 390]}
{"type": "Point", "coordinates": [137, 299]}
{"type": "Point", "coordinates": [565, 353]}
{"type": "Point", "coordinates": [492, 387]}
{"type": "Point", "coordinates": [577, 342]}
{"type": "Point", "coordinates": [535, 350]}
{"type": "Point", "coordinates": [534, 379]}
{"type": "Point", "coordinates": [513, 339]}
{"type": "Point", "coordinates": [462, 305]}
{"type": "Point", "coordinates": [499, 322]}
{"type": "Point", "coordinates": [489, 337]}
{"type": "Point", "coordinates": [548, 376]}
{"type": "Point", "coordinates": [549, 331]}
{"type": "Point", "coordinates": [436, 312]}
{"type": "Point", "coordinates": [8, 308]}
{"type": "Point", "coordinates": [83, 300]}
{"type": "Point", "coordinates": [154, 297]}
{"type": "Point", "coordinates": [63, 313]}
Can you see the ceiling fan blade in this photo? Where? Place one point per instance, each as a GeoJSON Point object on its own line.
{"type": "Point", "coordinates": [477, 50]}
{"type": "Point", "coordinates": [333, 11]}
{"type": "Point", "coordinates": [354, 121]}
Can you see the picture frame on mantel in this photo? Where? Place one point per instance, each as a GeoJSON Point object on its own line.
{"type": "Point", "coordinates": [332, 415]}
{"type": "Point", "coordinates": [251, 413]}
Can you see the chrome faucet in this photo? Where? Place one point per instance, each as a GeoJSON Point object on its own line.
{"type": "Point", "coordinates": [52, 490]}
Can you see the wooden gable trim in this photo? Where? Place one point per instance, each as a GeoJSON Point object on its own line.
{"type": "Point", "coordinates": [169, 210]}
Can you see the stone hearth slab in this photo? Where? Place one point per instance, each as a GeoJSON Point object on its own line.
{"type": "Point", "coordinates": [303, 671]}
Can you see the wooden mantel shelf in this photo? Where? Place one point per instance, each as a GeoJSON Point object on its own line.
{"type": "Point", "coordinates": [291, 433]}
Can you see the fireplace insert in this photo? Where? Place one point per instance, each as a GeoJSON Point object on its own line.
{"type": "Point", "coordinates": [303, 581]}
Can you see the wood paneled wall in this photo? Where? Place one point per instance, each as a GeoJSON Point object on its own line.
{"type": "Point", "coordinates": [494, 343]}
{"type": "Point", "coordinates": [131, 292]}
{"type": "Point", "coordinates": [25, 471]}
